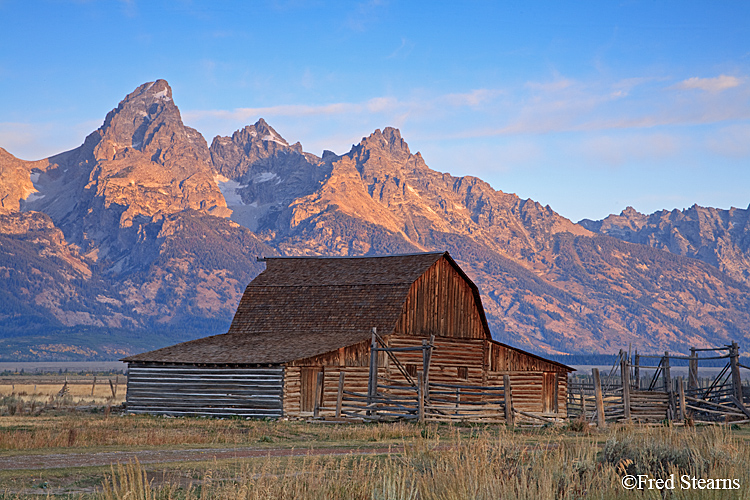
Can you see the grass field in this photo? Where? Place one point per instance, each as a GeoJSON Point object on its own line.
{"type": "Point", "coordinates": [426, 462]}
{"type": "Point", "coordinates": [18, 393]}
{"type": "Point", "coordinates": [194, 458]}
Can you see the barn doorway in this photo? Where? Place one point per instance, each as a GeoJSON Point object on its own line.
{"type": "Point", "coordinates": [308, 382]}
{"type": "Point", "coordinates": [549, 392]}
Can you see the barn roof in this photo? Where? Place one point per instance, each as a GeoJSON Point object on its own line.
{"type": "Point", "coordinates": [301, 307]}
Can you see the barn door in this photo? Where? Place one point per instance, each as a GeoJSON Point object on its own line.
{"type": "Point", "coordinates": [308, 382]}
{"type": "Point", "coordinates": [549, 392]}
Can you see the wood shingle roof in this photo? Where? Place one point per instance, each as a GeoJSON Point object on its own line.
{"type": "Point", "coordinates": [301, 307]}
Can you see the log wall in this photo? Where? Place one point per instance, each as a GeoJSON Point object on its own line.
{"type": "Point", "coordinates": [204, 391]}
{"type": "Point", "coordinates": [532, 380]}
{"type": "Point", "coordinates": [441, 302]}
{"type": "Point", "coordinates": [505, 358]}
{"type": "Point", "coordinates": [353, 355]}
{"type": "Point", "coordinates": [463, 361]}
{"type": "Point", "coordinates": [355, 380]}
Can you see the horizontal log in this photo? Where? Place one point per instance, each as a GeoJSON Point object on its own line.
{"type": "Point", "coordinates": [717, 412]}
{"type": "Point", "coordinates": [178, 412]}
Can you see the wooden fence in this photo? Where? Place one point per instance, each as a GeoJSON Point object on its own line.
{"type": "Point", "coordinates": [414, 397]}
{"type": "Point", "coordinates": [624, 394]}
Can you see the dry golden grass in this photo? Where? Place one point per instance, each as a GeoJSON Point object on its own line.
{"type": "Point", "coordinates": [438, 462]}
{"type": "Point", "coordinates": [487, 465]}
{"type": "Point", "coordinates": [79, 392]}
{"type": "Point", "coordinates": [22, 432]}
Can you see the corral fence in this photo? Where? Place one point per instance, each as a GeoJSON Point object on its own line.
{"type": "Point", "coordinates": [626, 394]}
{"type": "Point", "coordinates": [419, 399]}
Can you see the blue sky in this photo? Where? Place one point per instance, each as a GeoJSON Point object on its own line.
{"type": "Point", "coordinates": [586, 106]}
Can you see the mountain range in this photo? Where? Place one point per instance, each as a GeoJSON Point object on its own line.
{"type": "Point", "coordinates": [145, 235]}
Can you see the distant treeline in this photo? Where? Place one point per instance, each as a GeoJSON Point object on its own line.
{"type": "Point", "coordinates": [43, 371]}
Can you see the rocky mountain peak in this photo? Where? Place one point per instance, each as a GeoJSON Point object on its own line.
{"type": "Point", "coordinates": [146, 120]}
{"type": "Point", "coordinates": [252, 145]}
{"type": "Point", "coordinates": [389, 140]}
{"type": "Point", "coordinates": [718, 237]}
{"type": "Point", "coordinates": [141, 164]}
{"type": "Point", "coordinates": [630, 212]}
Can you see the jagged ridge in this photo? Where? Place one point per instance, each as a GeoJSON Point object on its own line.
{"type": "Point", "coordinates": [142, 206]}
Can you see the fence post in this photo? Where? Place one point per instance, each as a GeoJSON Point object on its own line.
{"type": "Point", "coordinates": [693, 370]}
{"type": "Point", "coordinates": [372, 379]}
{"type": "Point", "coordinates": [681, 389]}
{"type": "Point", "coordinates": [637, 371]}
{"type": "Point", "coordinates": [420, 397]}
{"type": "Point", "coordinates": [734, 355]}
{"type": "Point", "coordinates": [340, 395]}
{"type": "Point", "coordinates": [668, 387]}
{"type": "Point", "coordinates": [318, 395]}
{"type": "Point", "coordinates": [600, 420]}
{"type": "Point", "coordinates": [583, 402]}
{"type": "Point", "coordinates": [625, 378]}
{"type": "Point", "coordinates": [426, 358]}
{"type": "Point", "coordinates": [93, 386]}
{"type": "Point", "coordinates": [508, 397]}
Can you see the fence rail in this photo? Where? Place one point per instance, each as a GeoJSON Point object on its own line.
{"type": "Point", "coordinates": [617, 396]}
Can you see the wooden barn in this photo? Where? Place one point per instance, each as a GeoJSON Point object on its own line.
{"type": "Point", "coordinates": [306, 320]}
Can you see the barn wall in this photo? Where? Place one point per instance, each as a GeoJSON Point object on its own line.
{"type": "Point", "coordinates": [206, 391]}
{"type": "Point", "coordinates": [295, 392]}
{"type": "Point", "coordinates": [448, 357]}
{"type": "Point", "coordinates": [441, 302]}
{"type": "Point", "coordinates": [353, 355]}
{"type": "Point", "coordinates": [300, 378]}
{"type": "Point", "coordinates": [532, 380]}
{"type": "Point", "coordinates": [504, 358]}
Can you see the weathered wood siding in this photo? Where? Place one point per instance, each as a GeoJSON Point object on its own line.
{"type": "Point", "coordinates": [353, 355]}
{"type": "Point", "coordinates": [449, 357]}
{"type": "Point", "coordinates": [441, 302]}
{"type": "Point", "coordinates": [300, 378]}
{"type": "Point", "coordinates": [533, 380]}
{"type": "Point", "coordinates": [355, 380]}
{"type": "Point", "coordinates": [206, 391]}
{"type": "Point", "coordinates": [504, 358]}
{"type": "Point", "coordinates": [532, 394]}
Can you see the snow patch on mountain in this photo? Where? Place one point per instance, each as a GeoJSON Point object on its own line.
{"type": "Point", "coordinates": [162, 94]}
{"type": "Point", "coordinates": [275, 138]}
{"type": "Point", "coordinates": [265, 177]}
{"type": "Point", "coordinates": [229, 189]}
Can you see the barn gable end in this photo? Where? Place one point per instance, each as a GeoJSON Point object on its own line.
{"type": "Point", "coordinates": [443, 301]}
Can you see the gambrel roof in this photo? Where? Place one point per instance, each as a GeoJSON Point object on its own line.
{"type": "Point", "coordinates": [301, 307]}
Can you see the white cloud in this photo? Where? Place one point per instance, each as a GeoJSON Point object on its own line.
{"type": "Point", "coordinates": [555, 86]}
{"type": "Point", "coordinates": [403, 50]}
{"type": "Point", "coordinates": [718, 84]}
{"type": "Point", "coordinates": [379, 105]}
{"type": "Point", "coordinates": [243, 114]}
{"type": "Point", "coordinates": [473, 98]}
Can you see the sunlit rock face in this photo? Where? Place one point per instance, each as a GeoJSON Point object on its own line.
{"type": "Point", "coordinates": [144, 227]}
{"type": "Point", "coordinates": [719, 237]}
